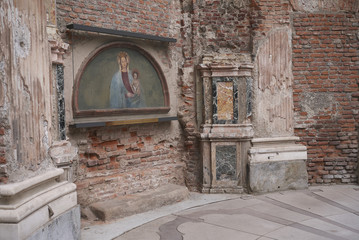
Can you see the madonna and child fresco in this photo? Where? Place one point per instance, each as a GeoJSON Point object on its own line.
{"type": "Point", "coordinates": [119, 79]}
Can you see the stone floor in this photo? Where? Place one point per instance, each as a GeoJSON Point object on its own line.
{"type": "Point", "coordinates": [324, 212]}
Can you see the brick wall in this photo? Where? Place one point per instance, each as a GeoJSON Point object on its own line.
{"type": "Point", "coordinates": [268, 14]}
{"type": "Point", "coordinates": [207, 27]}
{"type": "Point", "coordinates": [222, 26]}
{"type": "Point", "coordinates": [115, 161]}
{"type": "Point", "coordinates": [325, 68]}
{"type": "Point", "coordinates": [141, 16]}
{"type": "Point", "coordinates": [122, 160]}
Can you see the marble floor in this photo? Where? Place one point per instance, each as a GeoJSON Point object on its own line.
{"type": "Point", "coordinates": [321, 212]}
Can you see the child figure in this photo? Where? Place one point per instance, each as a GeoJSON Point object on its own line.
{"type": "Point", "coordinates": [135, 83]}
{"type": "Point", "coordinates": [136, 89]}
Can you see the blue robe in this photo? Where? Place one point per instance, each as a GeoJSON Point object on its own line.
{"type": "Point", "coordinates": [118, 93]}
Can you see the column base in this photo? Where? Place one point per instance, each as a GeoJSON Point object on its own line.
{"type": "Point", "coordinates": [38, 208]}
{"type": "Point", "coordinates": [277, 164]}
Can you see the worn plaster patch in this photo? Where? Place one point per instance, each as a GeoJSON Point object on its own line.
{"type": "Point", "coordinates": [2, 80]}
{"type": "Point", "coordinates": [313, 103]}
{"type": "Point", "coordinates": [308, 6]}
{"type": "Point", "coordinates": [45, 138]}
{"type": "Point", "coordinates": [21, 37]}
{"type": "Point", "coordinates": [20, 32]}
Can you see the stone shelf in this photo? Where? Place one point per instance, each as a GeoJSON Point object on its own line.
{"type": "Point", "coordinates": [116, 121]}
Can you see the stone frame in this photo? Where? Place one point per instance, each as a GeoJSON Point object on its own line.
{"type": "Point", "coordinates": [78, 113]}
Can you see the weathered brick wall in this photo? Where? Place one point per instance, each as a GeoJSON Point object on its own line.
{"type": "Point", "coordinates": [141, 16]}
{"type": "Point", "coordinates": [222, 26]}
{"type": "Point", "coordinates": [214, 28]}
{"type": "Point", "coordinates": [115, 161]}
{"type": "Point", "coordinates": [267, 15]}
{"type": "Point", "coordinates": [325, 67]}
{"type": "Point", "coordinates": [121, 160]}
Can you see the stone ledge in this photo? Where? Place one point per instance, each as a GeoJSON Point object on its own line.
{"type": "Point", "coordinates": [276, 149]}
{"type": "Point", "coordinates": [138, 203]}
{"type": "Point", "coordinates": [227, 131]}
{"type": "Point", "coordinates": [12, 189]}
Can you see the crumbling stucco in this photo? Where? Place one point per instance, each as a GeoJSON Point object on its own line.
{"type": "Point", "coordinates": [325, 5]}
{"type": "Point", "coordinates": [25, 88]}
{"type": "Point", "coordinates": [315, 102]}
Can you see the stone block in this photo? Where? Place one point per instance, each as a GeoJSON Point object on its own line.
{"type": "Point", "coordinates": [32, 204]}
{"type": "Point", "coordinates": [277, 164]}
{"type": "Point", "coordinates": [278, 175]}
{"type": "Point", "coordinates": [67, 226]}
{"type": "Point", "coordinates": [141, 202]}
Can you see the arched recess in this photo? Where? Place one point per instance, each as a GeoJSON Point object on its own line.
{"type": "Point", "coordinates": [100, 72]}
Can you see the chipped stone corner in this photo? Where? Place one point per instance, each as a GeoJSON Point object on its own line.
{"type": "Point", "coordinates": [64, 156]}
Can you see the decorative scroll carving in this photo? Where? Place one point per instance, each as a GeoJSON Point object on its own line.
{"type": "Point", "coordinates": [58, 49]}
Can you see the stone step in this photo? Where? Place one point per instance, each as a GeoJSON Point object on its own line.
{"type": "Point", "coordinates": [141, 202]}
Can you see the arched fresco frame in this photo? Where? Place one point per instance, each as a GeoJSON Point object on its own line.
{"type": "Point", "coordinates": [91, 96]}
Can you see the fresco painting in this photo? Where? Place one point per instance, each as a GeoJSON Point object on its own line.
{"type": "Point", "coordinates": [119, 78]}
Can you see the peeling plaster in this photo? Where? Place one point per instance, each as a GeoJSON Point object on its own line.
{"type": "Point", "coordinates": [45, 138]}
{"type": "Point", "coordinates": [308, 6]}
{"type": "Point", "coordinates": [2, 84]}
{"type": "Point", "coordinates": [21, 38]}
{"type": "Point", "coordinates": [273, 86]}
{"type": "Point", "coordinates": [20, 32]}
{"type": "Point", "coordinates": [315, 102]}
{"type": "Point", "coordinates": [325, 5]}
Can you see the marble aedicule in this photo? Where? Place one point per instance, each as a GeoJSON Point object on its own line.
{"type": "Point", "coordinates": [226, 130]}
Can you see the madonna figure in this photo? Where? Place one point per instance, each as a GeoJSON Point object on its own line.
{"type": "Point", "coordinates": [122, 91]}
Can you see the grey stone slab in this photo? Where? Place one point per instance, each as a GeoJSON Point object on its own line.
{"type": "Point", "coordinates": [291, 233]}
{"type": "Point", "coordinates": [348, 219]}
{"type": "Point", "coordinates": [277, 175]}
{"type": "Point", "coordinates": [301, 200]}
{"type": "Point", "coordinates": [137, 203]}
{"type": "Point", "coordinates": [279, 212]}
{"type": "Point", "coordinates": [204, 231]}
{"type": "Point", "coordinates": [150, 230]}
{"type": "Point", "coordinates": [64, 227]}
{"type": "Point", "coordinates": [338, 199]}
{"type": "Point", "coordinates": [238, 203]}
{"type": "Point", "coordinates": [331, 228]}
{"type": "Point", "coordinates": [242, 222]}
{"type": "Point", "coordinates": [351, 191]}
